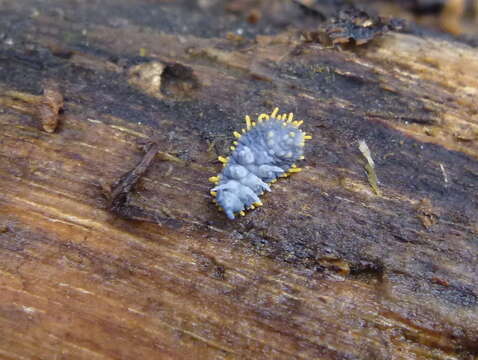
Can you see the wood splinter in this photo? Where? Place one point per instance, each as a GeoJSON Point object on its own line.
{"type": "Point", "coordinates": [121, 189]}
{"type": "Point", "coordinates": [50, 106]}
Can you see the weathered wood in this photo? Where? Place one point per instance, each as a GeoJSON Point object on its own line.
{"type": "Point", "coordinates": [325, 269]}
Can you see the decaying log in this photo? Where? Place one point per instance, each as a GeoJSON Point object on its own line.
{"type": "Point", "coordinates": [328, 268]}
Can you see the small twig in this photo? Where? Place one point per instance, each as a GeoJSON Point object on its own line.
{"type": "Point", "coordinates": [122, 188]}
{"type": "Point", "coordinates": [119, 195]}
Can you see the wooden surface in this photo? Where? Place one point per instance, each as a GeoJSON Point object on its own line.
{"type": "Point", "coordinates": [326, 269]}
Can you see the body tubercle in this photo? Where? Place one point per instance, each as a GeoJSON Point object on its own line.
{"type": "Point", "coordinates": [265, 150]}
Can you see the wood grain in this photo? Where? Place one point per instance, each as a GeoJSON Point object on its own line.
{"type": "Point", "coordinates": [326, 269]}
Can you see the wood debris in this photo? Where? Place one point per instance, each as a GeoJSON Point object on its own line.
{"type": "Point", "coordinates": [164, 80]}
{"type": "Point", "coordinates": [369, 167]}
{"type": "Point", "coordinates": [50, 106]}
{"type": "Point", "coordinates": [352, 26]}
{"type": "Point", "coordinates": [122, 188]}
{"type": "Point", "coordinates": [147, 77]}
{"type": "Point", "coordinates": [426, 213]}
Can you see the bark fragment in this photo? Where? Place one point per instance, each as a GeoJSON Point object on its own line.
{"type": "Point", "coordinates": [352, 26]}
{"type": "Point", "coordinates": [50, 106]}
{"type": "Point", "coordinates": [123, 187]}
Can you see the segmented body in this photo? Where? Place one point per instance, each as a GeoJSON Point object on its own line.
{"type": "Point", "coordinates": [266, 149]}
